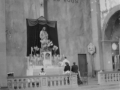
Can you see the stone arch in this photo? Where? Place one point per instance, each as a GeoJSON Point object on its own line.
{"type": "Point", "coordinates": [107, 36]}
{"type": "Point", "coordinates": [109, 15]}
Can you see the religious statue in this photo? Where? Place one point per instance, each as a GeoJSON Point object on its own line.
{"type": "Point", "coordinates": [45, 43]}
{"type": "Point", "coordinates": [44, 38]}
{"type": "Point", "coordinates": [45, 57]}
{"type": "Point", "coordinates": [43, 34]}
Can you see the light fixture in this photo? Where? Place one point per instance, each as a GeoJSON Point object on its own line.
{"type": "Point", "coordinates": [114, 46]}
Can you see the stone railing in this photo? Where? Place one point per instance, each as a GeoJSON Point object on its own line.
{"type": "Point", "coordinates": [108, 78]}
{"type": "Point", "coordinates": [42, 82]}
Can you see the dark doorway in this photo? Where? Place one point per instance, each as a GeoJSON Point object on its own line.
{"type": "Point", "coordinates": [82, 63]}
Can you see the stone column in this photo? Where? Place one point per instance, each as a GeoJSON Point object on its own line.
{"type": "Point", "coordinates": [107, 56]}
{"type": "Point", "coordinates": [119, 45]}
{"type": "Point", "coordinates": [96, 34]}
{"type": "Point", "coordinates": [41, 7]}
{"type": "Point", "coordinates": [3, 72]}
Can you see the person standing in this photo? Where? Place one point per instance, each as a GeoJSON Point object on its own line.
{"type": "Point", "coordinates": [65, 61]}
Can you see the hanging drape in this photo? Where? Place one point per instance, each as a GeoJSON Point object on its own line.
{"type": "Point", "coordinates": [34, 26]}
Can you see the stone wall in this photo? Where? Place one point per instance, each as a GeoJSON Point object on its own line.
{"type": "Point", "coordinates": [3, 81]}
{"type": "Point", "coordinates": [107, 9]}
{"type": "Point", "coordinates": [15, 36]}
{"type": "Point", "coordinates": [16, 13]}
{"type": "Point", "coordinates": [73, 22]}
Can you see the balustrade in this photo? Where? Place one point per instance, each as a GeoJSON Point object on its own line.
{"type": "Point", "coordinates": [43, 82]}
{"type": "Point", "coordinates": [108, 77]}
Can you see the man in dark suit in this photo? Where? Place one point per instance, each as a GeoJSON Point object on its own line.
{"type": "Point", "coordinates": [74, 69]}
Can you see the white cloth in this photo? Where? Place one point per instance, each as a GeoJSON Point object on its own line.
{"type": "Point", "coordinates": [67, 72]}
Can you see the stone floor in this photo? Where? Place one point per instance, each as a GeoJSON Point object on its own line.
{"type": "Point", "coordinates": [99, 87]}
{"type": "Point", "coordinates": [95, 87]}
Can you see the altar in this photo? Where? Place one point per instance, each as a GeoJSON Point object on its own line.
{"type": "Point", "coordinates": [45, 59]}
{"type": "Point", "coordinates": [54, 70]}
{"type": "Point", "coordinates": [50, 64]}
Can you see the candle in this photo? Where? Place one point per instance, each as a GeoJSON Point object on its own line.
{"type": "Point", "coordinates": [31, 50]}
{"type": "Point", "coordinates": [60, 51]}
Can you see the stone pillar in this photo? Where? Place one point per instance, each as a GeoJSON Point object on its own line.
{"type": "Point", "coordinates": [45, 9]}
{"type": "Point", "coordinates": [3, 72]}
{"type": "Point", "coordinates": [96, 34]}
{"type": "Point", "coordinates": [107, 56]}
{"type": "Point", "coordinates": [41, 7]}
{"type": "Point", "coordinates": [119, 45]}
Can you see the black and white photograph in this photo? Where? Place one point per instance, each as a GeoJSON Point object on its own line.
{"type": "Point", "coordinates": [59, 44]}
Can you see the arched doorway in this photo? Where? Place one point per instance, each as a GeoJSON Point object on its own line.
{"type": "Point", "coordinates": [111, 41]}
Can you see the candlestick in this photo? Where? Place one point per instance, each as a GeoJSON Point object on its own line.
{"type": "Point", "coordinates": [31, 50]}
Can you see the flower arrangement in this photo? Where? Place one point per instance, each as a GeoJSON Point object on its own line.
{"type": "Point", "coordinates": [55, 48]}
{"type": "Point", "coordinates": [47, 46]}
{"type": "Point", "coordinates": [36, 48]}
{"type": "Point", "coordinates": [50, 43]}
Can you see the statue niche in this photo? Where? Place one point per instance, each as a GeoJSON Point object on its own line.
{"type": "Point", "coordinates": [46, 50]}
{"type": "Point", "coordinates": [43, 56]}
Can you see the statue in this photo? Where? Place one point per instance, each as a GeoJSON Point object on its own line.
{"type": "Point", "coordinates": [45, 42]}
{"type": "Point", "coordinates": [43, 34]}
{"type": "Point", "coordinates": [44, 38]}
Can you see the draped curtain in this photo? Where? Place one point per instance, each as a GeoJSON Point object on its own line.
{"type": "Point", "coordinates": [34, 26]}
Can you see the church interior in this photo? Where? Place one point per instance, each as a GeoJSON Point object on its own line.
{"type": "Point", "coordinates": [37, 34]}
{"type": "Point", "coordinates": [73, 30]}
